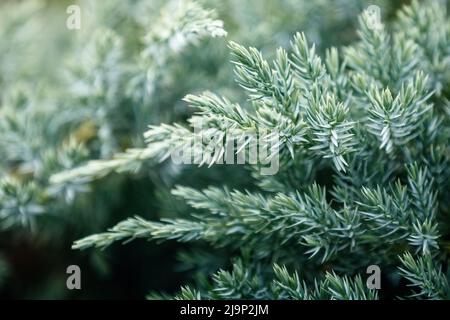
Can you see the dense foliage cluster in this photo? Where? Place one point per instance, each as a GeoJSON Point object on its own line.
{"type": "Point", "coordinates": [363, 149]}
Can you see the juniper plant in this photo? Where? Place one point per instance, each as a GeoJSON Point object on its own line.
{"type": "Point", "coordinates": [362, 142]}
{"type": "Point", "coordinates": [372, 116]}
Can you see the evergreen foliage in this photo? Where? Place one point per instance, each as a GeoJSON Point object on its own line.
{"type": "Point", "coordinates": [363, 127]}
